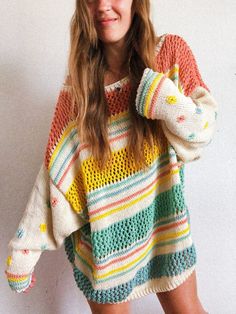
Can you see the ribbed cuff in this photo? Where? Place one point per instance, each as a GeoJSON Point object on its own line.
{"type": "Point", "coordinates": [19, 283]}
{"type": "Point", "coordinates": [147, 93]}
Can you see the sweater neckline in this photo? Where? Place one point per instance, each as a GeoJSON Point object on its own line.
{"type": "Point", "coordinates": [119, 84]}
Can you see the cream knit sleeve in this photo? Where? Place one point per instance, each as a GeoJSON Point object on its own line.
{"type": "Point", "coordinates": [47, 220]}
{"type": "Point", "coordinates": [188, 117]}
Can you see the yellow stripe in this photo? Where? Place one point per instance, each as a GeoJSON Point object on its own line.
{"type": "Point", "coordinates": [172, 235]}
{"type": "Point", "coordinates": [67, 131]}
{"type": "Point", "coordinates": [150, 93]}
{"type": "Point", "coordinates": [120, 160]}
{"type": "Point", "coordinates": [172, 71]}
{"type": "Point", "coordinates": [115, 210]}
{"type": "Point", "coordinates": [18, 279]}
{"type": "Point", "coordinates": [89, 177]}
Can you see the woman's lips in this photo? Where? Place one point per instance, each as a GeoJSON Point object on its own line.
{"type": "Point", "coordinates": [107, 22]}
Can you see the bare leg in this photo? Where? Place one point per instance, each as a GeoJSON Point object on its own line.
{"type": "Point", "coordinates": [98, 308]}
{"type": "Point", "coordinates": [183, 299]}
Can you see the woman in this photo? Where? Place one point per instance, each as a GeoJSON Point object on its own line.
{"type": "Point", "coordinates": [113, 174]}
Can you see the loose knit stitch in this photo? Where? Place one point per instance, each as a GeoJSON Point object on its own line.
{"type": "Point", "coordinates": [126, 231]}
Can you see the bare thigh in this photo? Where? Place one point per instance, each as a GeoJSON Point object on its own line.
{"type": "Point", "coordinates": [99, 308]}
{"type": "Point", "coordinates": [183, 299]}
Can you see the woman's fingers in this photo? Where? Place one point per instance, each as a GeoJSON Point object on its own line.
{"type": "Point", "coordinates": [33, 281]}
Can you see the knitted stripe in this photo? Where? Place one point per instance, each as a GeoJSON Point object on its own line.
{"type": "Point", "coordinates": [88, 168]}
{"type": "Point", "coordinates": [148, 217]}
{"type": "Point", "coordinates": [68, 147]}
{"type": "Point", "coordinates": [132, 259]}
{"type": "Point", "coordinates": [103, 244]}
{"type": "Point", "coordinates": [18, 282]}
{"type": "Point", "coordinates": [60, 119]}
{"type": "Point", "coordinates": [154, 88]}
{"type": "Point", "coordinates": [85, 233]}
{"type": "Point", "coordinates": [140, 195]}
{"type": "Point", "coordinates": [152, 108]}
{"type": "Point", "coordinates": [168, 265]}
{"type": "Point", "coordinates": [128, 269]}
{"type": "Point", "coordinates": [129, 182]}
{"type": "Point", "coordinates": [148, 91]}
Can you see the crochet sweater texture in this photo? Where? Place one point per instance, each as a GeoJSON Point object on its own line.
{"type": "Point", "coordinates": [126, 231]}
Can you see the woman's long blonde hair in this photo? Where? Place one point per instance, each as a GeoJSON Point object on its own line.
{"type": "Point", "coordinates": [87, 66]}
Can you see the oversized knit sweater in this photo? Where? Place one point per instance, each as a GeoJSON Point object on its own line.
{"type": "Point", "coordinates": [126, 231]}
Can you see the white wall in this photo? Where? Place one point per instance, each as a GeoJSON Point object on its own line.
{"type": "Point", "coordinates": [34, 38]}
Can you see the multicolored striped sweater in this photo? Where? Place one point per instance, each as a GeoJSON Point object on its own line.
{"type": "Point", "coordinates": [126, 232]}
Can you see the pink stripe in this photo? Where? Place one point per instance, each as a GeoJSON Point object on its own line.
{"type": "Point", "coordinates": [154, 98]}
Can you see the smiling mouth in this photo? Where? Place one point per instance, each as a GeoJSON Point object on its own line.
{"type": "Point", "coordinates": [107, 22]}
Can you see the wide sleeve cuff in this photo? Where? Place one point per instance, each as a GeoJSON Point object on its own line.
{"type": "Point", "coordinates": [189, 121]}
{"type": "Point", "coordinates": [20, 283]}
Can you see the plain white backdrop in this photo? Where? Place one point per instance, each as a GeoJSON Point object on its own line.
{"type": "Point", "coordinates": [34, 44]}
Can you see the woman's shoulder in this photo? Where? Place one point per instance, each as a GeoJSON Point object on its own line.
{"type": "Point", "coordinates": [171, 42]}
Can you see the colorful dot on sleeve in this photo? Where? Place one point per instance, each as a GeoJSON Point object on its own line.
{"type": "Point", "coordinates": [181, 119]}
{"type": "Point", "coordinates": [206, 125]}
{"type": "Point", "coordinates": [9, 260]}
{"type": "Point", "coordinates": [198, 110]}
{"type": "Point", "coordinates": [20, 233]}
{"type": "Point", "coordinates": [25, 251]}
{"type": "Point", "coordinates": [43, 247]}
{"type": "Point", "coordinates": [171, 100]}
{"type": "Point", "coordinates": [191, 136]}
{"type": "Point", "coordinates": [43, 227]}
{"type": "Point", "coordinates": [54, 201]}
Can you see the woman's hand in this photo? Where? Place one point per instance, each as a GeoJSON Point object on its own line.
{"type": "Point", "coordinates": [33, 281]}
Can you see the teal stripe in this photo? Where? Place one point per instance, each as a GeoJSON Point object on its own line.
{"type": "Point", "coordinates": [131, 229]}
{"type": "Point", "coordinates": [118, 132]}
{"type": "Point", "coordinates": [124, 272]}
{"type": "Point", "coordinates": [86, 237]}
{"type": "Point", "coordinates": [61, 151]}
{"type": "Point", "coordinates": [141, 242]}
{"type": "Point", "coordinates": [144, 91]}
{"type": "Point", "coordinates": [169, 265]}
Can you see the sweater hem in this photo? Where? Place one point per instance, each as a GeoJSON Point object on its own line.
{"type": "Point", "coordinates": [153, 287]}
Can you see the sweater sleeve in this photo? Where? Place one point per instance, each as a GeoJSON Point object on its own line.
{"type": "Point", "coordinates": [188, 114]}
{"type": "Point", "coordinates": [47, 220]}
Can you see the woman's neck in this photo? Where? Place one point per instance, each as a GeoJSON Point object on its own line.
{"type": "Point", "coordinates": [117, 63]}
